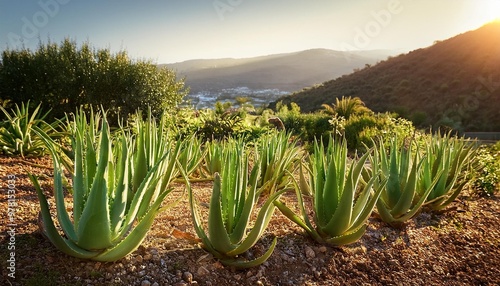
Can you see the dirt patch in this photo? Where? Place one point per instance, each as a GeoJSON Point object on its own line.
{"type": "Point", "coordinates": [460, 246]}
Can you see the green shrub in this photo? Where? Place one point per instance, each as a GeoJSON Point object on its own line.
{"type": "Point", "coordinates": [361, 130]}
{"type": "Point", "coordinates": [485, 174]}
{"type": "Point", "coordinates": [307, 126]}
{"type": "Point", "coordinates": [65, 77]}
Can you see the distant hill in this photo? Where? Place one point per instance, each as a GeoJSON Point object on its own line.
{"type": "Point", "coordinates": [285, 72]}
{"type": "Point", "coordinates": [455, 82]}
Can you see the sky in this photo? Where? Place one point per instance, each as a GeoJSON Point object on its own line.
{"type": "Point", "coordinates": [177, 30]}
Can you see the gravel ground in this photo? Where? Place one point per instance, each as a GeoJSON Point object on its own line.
{"type": "Point", "coordinates": [460, 246]}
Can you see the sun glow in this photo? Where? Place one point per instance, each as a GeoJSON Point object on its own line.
{"type": "Point", "coordinates": [489, 10]}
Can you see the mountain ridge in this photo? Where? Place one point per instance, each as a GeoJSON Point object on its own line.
{"type": "Point", "coordinates": [455, 82]}
{"type": "Point", "coordinates": [286, 71]}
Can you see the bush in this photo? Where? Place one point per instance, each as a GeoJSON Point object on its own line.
{"type": "Point", "coordinates": [486, 171]}
{"type": "Point", "coordinates": [308, 126]}
{"type": "Point", "coordinates": [64, 77]}
{"type": "Point", "coordinates": [361, 130]}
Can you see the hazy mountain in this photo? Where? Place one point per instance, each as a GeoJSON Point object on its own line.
{"type": "Point", "coordinates": [275, 74]}
{"type": "Point", "coordinates": [455, 82]}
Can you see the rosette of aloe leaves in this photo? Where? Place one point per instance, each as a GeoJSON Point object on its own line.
{"type": "Point", "coordinates": [229, 231]}
{"type": "Point", "coordinates": [118, 185]}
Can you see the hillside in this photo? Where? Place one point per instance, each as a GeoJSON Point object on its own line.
{"type": "Point", "coordinates": [285, 72]}
{"type": "Point", "coordinates": [453, 83]}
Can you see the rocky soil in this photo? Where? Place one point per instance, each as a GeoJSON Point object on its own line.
{"type": "Point", "coordinates": [460, 246]}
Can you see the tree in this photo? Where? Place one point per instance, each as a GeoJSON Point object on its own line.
{"type": "Point", "coordinates": [346, 107]}
{"type": "Point", "coordinates": [65, 76]}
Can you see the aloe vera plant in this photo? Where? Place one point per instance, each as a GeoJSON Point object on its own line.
{"type": "Point", "coordinates": [446, 162]}
{"type": "Point", "coordinates": [191, 154]}
{"type": "Point", "coordinates": [342, 201]}
{"type": "Point", "coordinates": [278, 155]}
{"type": "Point", "coordinates": [233, 199]}
{"type": "Point", "coordinates": [214, 154]}
{"type": "Point", "coordinates": [400, 167]}
{"type": "Point", "coordinates": [117, 190]}
{"type": "Point", "coordinates": [17, 137]}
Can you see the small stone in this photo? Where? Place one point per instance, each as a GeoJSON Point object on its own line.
{"type": "Point", "coordinates": [145, 283]}
{"type": "Point", "coordinates": [139, 258]}
{"type": "Point", "coordinates": [148, 256]}
{"type": "Point", "coordinates": [187, 276]}
{"type": "Point", "coordinates": [156, 284]}
{"type": "Point", "coordinates": [322, 249]}
{"type": "Point", "coordinates": [142, 273]}
{"type": "Point", "coordinates": [309, 252]}
{"type": "Point", "coordinates": [154, 251]}
{"type": "Point", "coordinates": [202, 271]}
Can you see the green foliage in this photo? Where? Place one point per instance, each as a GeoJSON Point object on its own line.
{"type": "Point", "coordinates": [342, 201]}
{"type": "Point", "coordinates": [233, 199]}
{"type": "Point", "coordinates": [221, 126]}
{"type": "Point", "coordinates": [447, 161]}
{"type": "Point", "coordinates": [66, 77]}
{"type": "Point", "coordinates": [399, 165]}
{"type": "Point", "coordinates": [215, 154]}
{"type": "Point", "coordinates": [485, 173]}
{"type": "Point", "coordinates": [278, 156]}
{"type": "Point", "coordinates": [17, 135]}
{"type": "Point", "coordinates": [361, 130]}
{"type": "Point", "coordinates": [307, 126]}
{"type": "Point", "coordinates": [347, 107]}
{"type": "Point", "coordinates": [117, 189]}
{"type": "Point", "coordinates": [466, 97]}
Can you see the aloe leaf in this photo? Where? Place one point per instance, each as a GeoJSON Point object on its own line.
{"type": "Point", "coordinates": [94, 231]}
{"type": "Point", "coordinates": [62, 214]}
{"type": "Point", "coordinates": [217, 232]}
{"type": "Point", "coordinates": [406, 198]}
{"type": "Point", "coordinates": [347, 238]}
{"type": "Point", "coordinates": [244, 217]}
{"type": "Point", "coordinates": [119, 205]}
{"type": "Point", "coordinates": [331, 193]}
{"type": "Point", "coordinates": [140, 163]}
{"type": "Point", "coordinates": [78, 180]}
{"type": "Point", "coordinates": [50, 230]}
{"type": "Point", "coordinates": [286, 211]}
{"type": "Point", "coordinates": [132, 241]}
{"type": "Point", "coordinates": [259, 226]}
{"type": "Point", "coordinates": [393, 184]}
{"type": "Point", "coordinates": [364, 214]}
{"type": "Point", "coordinates": [340, 220]}
{"type": "Point", "coordinates": [252, 263]}
{"type": "Point", "coordinates": [197, 219]}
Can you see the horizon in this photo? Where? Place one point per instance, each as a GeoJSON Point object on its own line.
{"type": "Point", "coordinates": [168, 33]}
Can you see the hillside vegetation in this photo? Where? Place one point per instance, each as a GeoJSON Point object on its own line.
{"type": "Point", "coordinates": [453, 83]}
